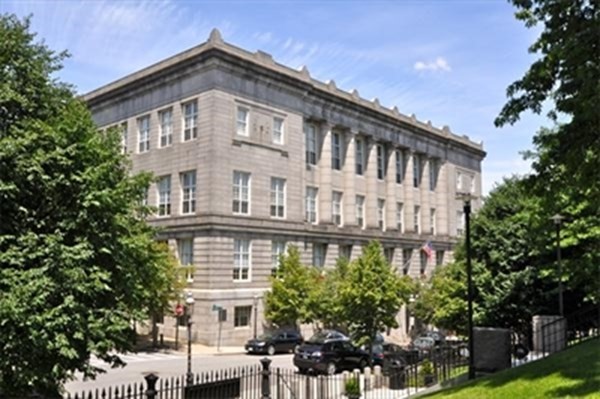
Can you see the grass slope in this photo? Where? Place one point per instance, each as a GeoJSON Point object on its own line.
{"type": "Point", "coordinates": [573, 373]}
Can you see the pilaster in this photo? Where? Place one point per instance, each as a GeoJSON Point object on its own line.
{"type": "Point", "coordinates": [390, 191]}
{"type": "Point", "coordinates": [371, 178]}
{"type": "Point", "coordinates": [350, 180]}
{"type": "Point", "coordinates": [325, 174]}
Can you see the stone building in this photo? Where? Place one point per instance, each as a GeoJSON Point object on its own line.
{"type": "Point", "coordinates": [251, 156]}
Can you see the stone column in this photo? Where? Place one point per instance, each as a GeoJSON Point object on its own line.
{"type": "Point", "coordinates": [390, 191]}
{"type": "Point", "coordinates": [409, 194]}
{"type": "Point", "coordinates": [350, 179]}
{"type": "Point", "coordinates": [371, 179]}
{"type": "Point", "coordinates": [325, 195]}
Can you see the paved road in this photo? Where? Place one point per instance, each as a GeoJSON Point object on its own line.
{"type": "Point", "coordinates": [168, 365]}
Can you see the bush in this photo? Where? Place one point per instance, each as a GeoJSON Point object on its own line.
{"type": "Point", "coordinates": [426, 373]}
{"type": "Point", "coordinates": [352, 387]}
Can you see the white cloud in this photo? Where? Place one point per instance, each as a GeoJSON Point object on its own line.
{"type": "Point", "coordinates": [440, 64]}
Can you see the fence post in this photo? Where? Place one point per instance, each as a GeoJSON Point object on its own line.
{"type": "Point", "coordinates": [266, 374]}
{"type": "Point", "coordinates": [151, 385]}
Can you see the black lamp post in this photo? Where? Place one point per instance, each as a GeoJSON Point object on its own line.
{"type": "Point", "coordinates": [557, 219]}
{"type": "Point", "coordinates": [189, 303]}
{"type": "Point", "coordinates": [467, 210]}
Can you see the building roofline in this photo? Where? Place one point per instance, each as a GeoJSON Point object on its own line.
{"type": "Point", "coordinates": [215, 41]}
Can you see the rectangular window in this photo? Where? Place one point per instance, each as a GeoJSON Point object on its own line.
{"type": "Point", "coordinates": [439, 258]}
{"type": "Point", "coordinates": [277, 130]}
{"type": "Point", "coordinates": [144, 133]}
{"type": "Point", "coordinates": [145, 197]}
{"type": "Point", "coordinates": [423, 259]}
{"type": "Point", "coordinates": [277, 197]}
{"type": "Point", "coordinates": [164, 196]}
{"type": "Point", "coordinates": [188, 192]}
{"type": "Point", "coordinates": [432, 221]}
{"type": "Point", "coordinates": [319, 253]}
{"type": "Point", "coordinates": [472, 186]}
{"type": "Point", "coordinates": [399, 166]}
{"type": "Point", "coordinates": [388, 252]}
{"type": "Point", "coordinates": [124, 137]}
{"type": "Point", "coordinates": [166, 128]}
{"type": "Point", "coordinates": [336, 151]}
{"type": "Point", "coordinates": [360, 211]}
{"type": "Point", "coordinates": [277, 249]}
{"type": "Point", "coordinates": [241, 260]}
{"type": "Point", "coordinates": [311, 204]}
{"type": "Point", "coordinates": [459, 182]}
{"type": "Point", "coordinates": [345, 251]}
{"type": "Point", "coordinates": [190, 120]}
{"type": "Point", "coordinates": [406, 259]}
{"type": "Point", "coordinates": [360, 156]}
{"type": "Point", "coordinates": [380, 161]}
{"type": "Point", "coordinates": [336, 208]}
{"type": "Point", "coordinates": [381, 213]}
{"type": "Point", "coordinates": [400, 216]}
{"type": "Point", "coordinates": [185, 249]}
{"type": "Point", "coordinates": [241, 316]}
{"type": "Point", "coordinates": [241, 193]}
{"type": "Point", "coordinates": [416, 170]}
{"type": "Point", "coordinates": [460, 223]}
{"type": "Point", "coordinates": [242, 121]}
{"type": "Point", "coordinates": [417, 219]}
{"type": "Point", "coordinates": [311, 144]}
{"type": "Point", "coordinates": [433, 174]}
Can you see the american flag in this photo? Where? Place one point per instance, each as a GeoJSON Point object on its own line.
{"type": "Point", "coordinates": [428, 249]}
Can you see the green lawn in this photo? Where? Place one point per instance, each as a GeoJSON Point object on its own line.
{"type": "Point", "coordinates": [574, 373]}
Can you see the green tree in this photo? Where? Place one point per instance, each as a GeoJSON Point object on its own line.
{"type": "Point", "coordinates": [372, 294]}
{"type": "Point", "coordinates": [78, 263]}
{"type": "Point", "coordinates": [286, 304]}
{"type": "Point", "coordinates": [323, 299]}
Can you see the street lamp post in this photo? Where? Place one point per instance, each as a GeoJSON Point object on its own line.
{"type": "Point", "coordinates": [557, 219]}
{"type": "Point", "coordinates": [189, 303]}
{"type": "Point", "coordinates": [255, 315]}
{"type": "Point", "coordinates": [467, 210]}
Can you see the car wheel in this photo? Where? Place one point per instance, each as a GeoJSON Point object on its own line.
{"type": "Point", "coordinates": [302, 371]}
{"type": "Point", "coordinates": [331, 369]}
{"type": "Point", "coordinates": [271, 350]}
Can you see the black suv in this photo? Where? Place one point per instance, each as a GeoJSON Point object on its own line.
{"type": "Point", "coordinates": [329, 356]}
{"type": "Point", "coordinates": [273, 342]}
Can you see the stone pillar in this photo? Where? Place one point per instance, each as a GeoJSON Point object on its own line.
{"type": "Point", "coordinates": [350, 180]}
{"type": "Point", "coordinates": [492, 349]}
{"type": "Point", "coordinates": [409, 194]}
{"type": "Point", "coordinates": [549, 334]}
{"type": "Point", "coordinates": [371, 179]}
{"type": "Point", "coordinates": [325, 190]}
{"type": "Point", "coordinates": [390, 191]}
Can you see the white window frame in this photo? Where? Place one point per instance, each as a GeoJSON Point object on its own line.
{"type": "Point", "coordinates": [417, 219]}
{"type": "Point", "coordinates": [143, 123]}
{"type": "Point", "coordinates": [433, 174]}
{"type": "Point", "coordinates": [311, 210]}
{"type": "Point", "coordinates": [190, 120]}
{"type": "Point", "coordinates": [278, 130]}
{"type": "Point", "coordinates": [359, 147]}
{"type": "Point", "coordinates": [163, 187]}
{"type": "Point", "coordinates": [278, 248]}
{"type": "Point", "coordinates": [400, 216]}
{"type": "Point", "coordinates": [165, 118]}
{"type": "Point", "coordinates": [432, 221]}
{"type": "Point", "coordinates": [124, 137]}
{"type": "Point", "coordinates": [241, 194]}
{"type": "Point", "coordinates": [337, 198]}
{"type": "Point", "coordinates": [188, 192]}
{"type": "Point", "coordinates": [336, 151]}
{"type": "Point", "coordinates": [185, 252]}
{"type": "Point", "coordinates": [360, 211]}
{"type": "Point", "coordinates": [416, 170]}
{"type": "Point", "coordinates": [319, 255]}
{"type": "Point", "coordinates": [460, 222]}
{"type": "Point", "coordinates": [472, 184]}
{"type": "Point", "coordinates": [380, 161]}
{"type": "Point", "coordinates": [242, 118]}
{"type": "Point", "coordinates": [381, 213]}
{"type": "Point", "coordinates": [399, 166]}
{"type": "Point", "coordinates": [278, 197]}
{"type": "Point", "coordinates": [311, 143]}
{"type": "Point", "coordinates": [242, 260]}
{"type": "Point", "coordinates": [459, 181]}
{"type": "Point", "coordinates": [238, 316]}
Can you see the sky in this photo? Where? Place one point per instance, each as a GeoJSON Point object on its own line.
{"type": "Point", "coordinates": [447, 61]}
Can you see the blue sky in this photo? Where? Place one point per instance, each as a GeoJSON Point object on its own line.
{"type": "Point", "coordinates": [448, 61]}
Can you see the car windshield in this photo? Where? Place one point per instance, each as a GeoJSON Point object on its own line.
{"type": "Point", "coordinates": [322, 336]}
{"type": "Point", "coordinates": [265, 336]}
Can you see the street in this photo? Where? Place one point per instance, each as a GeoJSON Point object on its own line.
{"type": "Point", "coordinates": [168, 365]}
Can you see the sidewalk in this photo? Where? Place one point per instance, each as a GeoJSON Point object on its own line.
{"type": "Point", "coordinates": [168, 346]}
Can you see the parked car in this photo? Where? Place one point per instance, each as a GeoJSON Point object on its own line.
{"type": "Point", "coordinates": [389, 355]}
{"type": "Point", "coordinates": [329, 356]}
{"type": "Point", "coordinates": [323, 336]}
{"type": "Point", "coordinates": [274, 342]}
{"type": "Point", "coordinates": [423, 345]}
{"type": "Point", "coordinates": [437, 336]}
